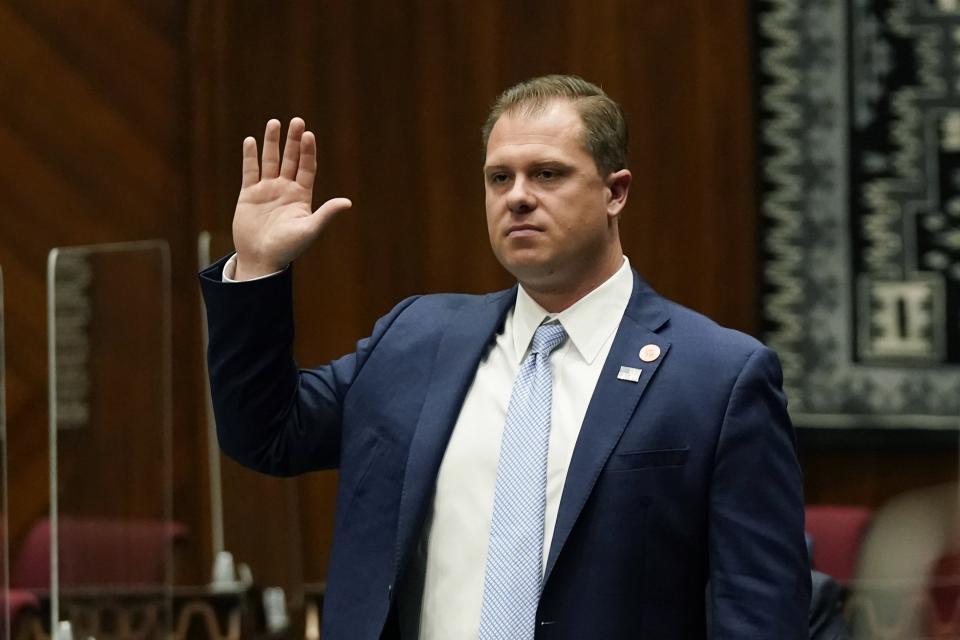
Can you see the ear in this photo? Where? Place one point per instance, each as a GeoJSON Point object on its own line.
{"type": "Point", "coordinates": [618, 184]}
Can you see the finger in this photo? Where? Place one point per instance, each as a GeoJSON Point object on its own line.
{"type": "Point", "coordinates": [307, 171]}
{"type": "Point", "coordinates": [271, 150]}
{"type": "Point", "coordinates": [251, 168]}
{"type": "Point", "coordinates": [327, 210]}
{"type": "Point", "coordinates": [291, 150]}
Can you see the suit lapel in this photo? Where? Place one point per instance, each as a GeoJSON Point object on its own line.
{"type": "Point", "coordinates": [611, 407]}
{"type": "Point", "coordinates": [464, 342]}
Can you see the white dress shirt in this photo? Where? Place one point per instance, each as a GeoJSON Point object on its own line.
{"type": "Point", "coordinates": [230, 271]}
{"type": "Point", "coordinates": [458, 525]}
{"type": "Point", "coordinates": [453, 551]}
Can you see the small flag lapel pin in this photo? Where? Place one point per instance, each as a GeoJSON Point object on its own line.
{"type": "Point", "coordinates": [629, 374]}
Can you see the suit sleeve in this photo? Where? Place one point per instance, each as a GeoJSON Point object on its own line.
{"type": "Point", "coordinates": [272, 416]}
{"type": "Point", "coordinates": [759, 572]}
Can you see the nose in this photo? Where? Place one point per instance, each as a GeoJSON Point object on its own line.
{"type": "Point", "coordinates": [520, 199]}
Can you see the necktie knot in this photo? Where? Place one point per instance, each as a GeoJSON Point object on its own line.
{"type": "Point", "coordinates": [547, 338]}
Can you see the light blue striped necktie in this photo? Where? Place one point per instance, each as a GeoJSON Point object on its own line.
{"type": "Point", "coordinates": [513, 577]}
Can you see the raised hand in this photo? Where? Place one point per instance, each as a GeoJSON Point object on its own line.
{"type": "Point", "coordinates": [273, 222]}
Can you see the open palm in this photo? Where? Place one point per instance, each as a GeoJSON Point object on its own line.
{"type": "Point", "coordinates": [273, 223]}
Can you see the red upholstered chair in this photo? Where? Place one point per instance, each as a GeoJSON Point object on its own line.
{"type": "Point", "coordinates": [943, 614]}
{"type": "Point", "coordinates": [22, 604]}
{"type": "Point", "coordinates": [99, 551]}
{"type": "Point", "coordinates": [837, 533]}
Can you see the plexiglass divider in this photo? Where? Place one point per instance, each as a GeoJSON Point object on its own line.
{"type": "Point", "coordinates": [6, 623]}
{"type": "Point", "coordinates": [213, 449]}
{"type": "Point", "coordinates": [903, 581]}
{"type": "Point", "coordinates": [256, 525]}
{"type": "Point", "coordinates": [110, 534]}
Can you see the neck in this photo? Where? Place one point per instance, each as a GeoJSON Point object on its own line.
{"type": "Point", "coordinates": [555, 299]}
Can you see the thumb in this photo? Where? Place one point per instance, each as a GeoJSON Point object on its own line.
{"type": "Point", "coordinates": [327, 210]}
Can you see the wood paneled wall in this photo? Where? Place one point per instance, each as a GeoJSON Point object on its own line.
{"type": "Point", "coordinates": [93, 148]}
{"type": "Point", "coordinates": [396, 93]}
{"type": "Point", "coordinates": [123, 120]}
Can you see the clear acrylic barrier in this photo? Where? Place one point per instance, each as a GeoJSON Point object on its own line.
{"type": "Point", "coordinates": [907, 580]}
{"type": "Point", "coordinates": [8, 602]}
{"type": "Point", "coordinates": [110, 535]}
{"type": "Point", "coordinates": [255, 519]}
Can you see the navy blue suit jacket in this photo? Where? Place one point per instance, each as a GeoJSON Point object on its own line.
{"type": "Point", "coordinates": [687, 476]}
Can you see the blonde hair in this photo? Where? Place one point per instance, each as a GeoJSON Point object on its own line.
{"type": "Point", "coordinates": [605, 135]}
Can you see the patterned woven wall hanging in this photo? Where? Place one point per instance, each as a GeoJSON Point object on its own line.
{"type": "Point", "coordinates": [859, 145]}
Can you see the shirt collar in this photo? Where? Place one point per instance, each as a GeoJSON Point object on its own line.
{"type": "Point", "coordinates": [588, 322]}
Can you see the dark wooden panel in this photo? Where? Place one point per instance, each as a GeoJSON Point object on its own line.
{"type": "Point", "coordinates": [124, 120]}
{"type": "Point", "coordinates": [871, 477]}
{"type": "Point", "coordinates": [396, 93]}
{"type": "Point", "coordinates": [92, 127]}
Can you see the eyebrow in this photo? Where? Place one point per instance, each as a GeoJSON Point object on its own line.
{"type": "Point", "coordinates": [539, 164]}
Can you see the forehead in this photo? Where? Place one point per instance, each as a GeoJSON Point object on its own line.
{"type": "Point", "coordinates": [557, 128]}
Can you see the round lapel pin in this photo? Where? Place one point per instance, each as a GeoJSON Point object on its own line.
{"type": "Point", "coordinates": [649, 353]}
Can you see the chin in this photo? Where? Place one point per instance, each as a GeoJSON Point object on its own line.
{"type": "Point", "coordinates": [528, 268]}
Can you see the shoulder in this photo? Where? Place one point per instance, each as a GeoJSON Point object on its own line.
{"type": "Point", "coordinates": [702, 346]}
{"type": "Point", "coordinates": [705, 333]}
{"type": "Point", "coordinates": [427, 315]}
{"type": "Point", "coordinates": [685, 328]}
{"type": "Point", "coordinates": [436, 308]}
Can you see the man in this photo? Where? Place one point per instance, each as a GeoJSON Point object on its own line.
{"type": "Point", "coordinates": [575, 457]}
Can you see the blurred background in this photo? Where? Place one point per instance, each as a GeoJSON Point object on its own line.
{"type": "Point", "coordinates": [773, 144]}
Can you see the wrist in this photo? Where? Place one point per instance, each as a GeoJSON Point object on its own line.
{"type": "Point", "coordinates": [248, 269]}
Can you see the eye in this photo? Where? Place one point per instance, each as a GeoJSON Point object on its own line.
{"type": "Point", "coordinates": [548, 174]}
{"type": "Point", "coordinates": [498, 178]}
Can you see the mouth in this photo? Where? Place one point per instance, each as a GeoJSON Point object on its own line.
{"type": "Point", "coordinates": [523, 230]}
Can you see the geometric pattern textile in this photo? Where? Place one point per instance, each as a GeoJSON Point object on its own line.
{"type": "Point", "coordinates": [513, 575]}
{"type": "Point", "coordinates": [859, 132]}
